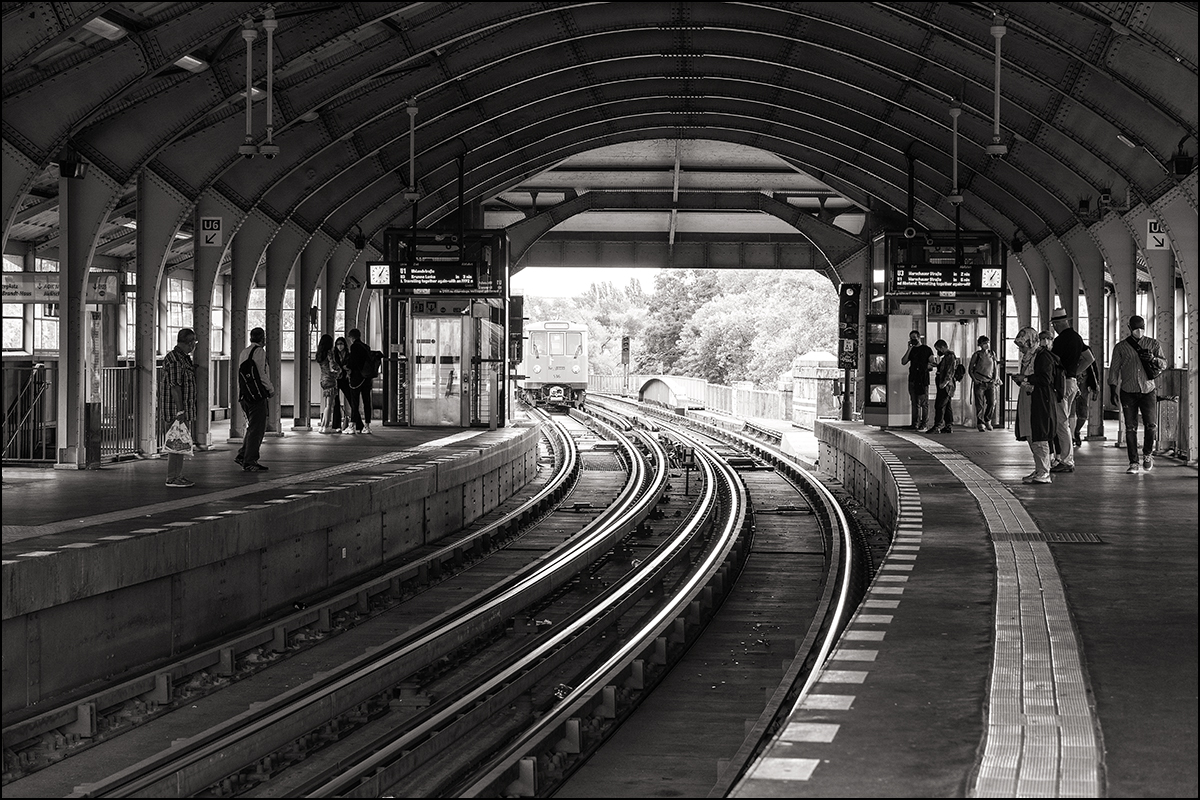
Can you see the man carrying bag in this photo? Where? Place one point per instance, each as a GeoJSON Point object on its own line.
{"type": "Point", "coordinates": [254, 390]}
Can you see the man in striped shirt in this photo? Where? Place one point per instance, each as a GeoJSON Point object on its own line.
{"type": "Point", "coordinates": [177, 398]}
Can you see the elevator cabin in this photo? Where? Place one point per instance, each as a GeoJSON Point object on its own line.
{"type": "Point", "coordinates": [947, 286]}
{"type": "Point", "coordinates": [444, 297]}
{"type": "Point", "coordinates": [447, 362]}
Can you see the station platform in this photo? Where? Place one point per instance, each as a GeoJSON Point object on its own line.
{"type": "Point", "coordinates": [88, 553]}
{"type": "Point", "coordinates": [41, 501]}
{"type": "Point", "coordinates": [1018, 640]}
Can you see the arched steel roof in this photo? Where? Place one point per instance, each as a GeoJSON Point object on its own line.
{"type": "Point", "coordinates": [1095, 99]}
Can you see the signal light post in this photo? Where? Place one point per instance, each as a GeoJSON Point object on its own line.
{"type": "Point", "coordinates": [625, 361]}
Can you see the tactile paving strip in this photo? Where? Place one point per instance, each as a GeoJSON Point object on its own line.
{"type": "Point", "coordinates": [1042, 735]}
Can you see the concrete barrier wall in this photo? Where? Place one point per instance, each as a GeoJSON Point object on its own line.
{"type": "Point", "coordinates": [95, 613]}
{"type": "Point", "coordinates": [848, 454]}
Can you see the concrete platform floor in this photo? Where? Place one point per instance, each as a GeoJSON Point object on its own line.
{"type": "Point", "coordinates": [987, 663]}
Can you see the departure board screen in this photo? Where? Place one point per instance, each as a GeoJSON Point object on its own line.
{"type": "Point", "coordinates": [430, 277]}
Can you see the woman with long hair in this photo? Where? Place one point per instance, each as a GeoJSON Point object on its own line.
{"type": "Point", "coordinates": [331, 412]}
{"type": "Point", "coordinates": [341, 360]}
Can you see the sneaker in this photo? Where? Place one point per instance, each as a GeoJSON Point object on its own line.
{"type": "Point", "coordinates": [180, 483]}
{"type": "Point", "coordinates": [1134, 469]}
{"type": "Point", "coordinates": [923, 430]}
{"type": "Point", "coordinates": [256, 467]}
{"type": "Point", "coordinates": [1042, 479]}
{"type": "Point", "coordinates": [1063, 466]}
{"type": "Point", "coordinates": [947, 429]}
{"type": "Point", "coordinates": [988, 426]}
{"type": "Point", "coordinates": [979, 427]}
{"type": "Point", "coordinates": [1147, 463]}
{"type": "Point", "coordinates": [237, 460]}
{"type": "Point", "coordinates": [366, 429]}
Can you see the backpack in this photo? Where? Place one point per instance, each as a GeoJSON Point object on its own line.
{"type": "Point", "coordinates": [1152, 364]}
{"type": "Point", "coordinates": [982, 359]}
{"type": "Point", "coordinates": [959, 371]}
{"type": "Point", "coordinates": [250, 386]}
{"type": "Point", "coordinates": [370, 367]}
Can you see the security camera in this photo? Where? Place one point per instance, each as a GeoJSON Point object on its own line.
{"type": "Point", "coordinates": [996, 150]}
{"type": "Point", "coordinates": [248, 151]}
{"type": "Point", "coordinates": [268, 150]}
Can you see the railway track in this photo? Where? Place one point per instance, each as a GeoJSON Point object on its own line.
{"type": "Point", "coordinates": [250, 748]}
{"type": "Point", "coordinates": [514, 687]}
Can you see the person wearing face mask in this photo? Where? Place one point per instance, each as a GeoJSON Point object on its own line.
{"type": "Point", "coordinates": [1136, 361]}
{"type": "Point", "coordinates": [917, 357]}
{"type": "Point", "coordinates": [177, 398]}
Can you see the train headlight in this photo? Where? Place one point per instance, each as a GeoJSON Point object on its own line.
{"type": "Point", "coordinates": [575, 369]}
{"type": "Point", "coordinates": [537, 368]}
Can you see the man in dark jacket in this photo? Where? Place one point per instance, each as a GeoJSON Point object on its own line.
{"type": "Point", "coordinates": [916, 357]}
{"type": "Point", "coordinates": [360, 385]}
{"type": "Point", "coordinates": [1068, 346]}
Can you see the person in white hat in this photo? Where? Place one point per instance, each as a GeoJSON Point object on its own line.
{"type": "Point", "coordinates": [1068, 346]}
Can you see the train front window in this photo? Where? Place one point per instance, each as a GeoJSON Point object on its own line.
{"type": "Point", "coordinates": [558, 344]}
{"type": "Point", "coordinates": [575, 344]}
{"type": "Point", "coordinates": [537, 342]}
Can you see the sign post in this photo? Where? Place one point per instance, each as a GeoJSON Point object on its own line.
{"type": "Point", "coordinates": [211, 234]}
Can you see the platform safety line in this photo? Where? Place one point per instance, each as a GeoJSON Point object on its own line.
{"type": "Point", "coordinates": [65, 526]}
{"type": "Point", "coordinates": [1041, 738]}
{"type": "Point", "coordinates": [795, 753]}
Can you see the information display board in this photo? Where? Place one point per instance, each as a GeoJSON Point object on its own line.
{"type": "Point", "coordinates": [429, 277]}
{"type": "Point", "coordinates": [440, 262]}
{"type": "Point", "coordinates": [938, 264]}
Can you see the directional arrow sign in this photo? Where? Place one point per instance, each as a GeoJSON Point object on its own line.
{"type": "Point", "coordinates": [210, 232]}
{"type": "Point", "coordinates": [1156, 237]}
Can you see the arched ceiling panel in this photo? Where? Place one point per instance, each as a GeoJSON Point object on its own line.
{"type": "Point", "coordinates": [841, 89]}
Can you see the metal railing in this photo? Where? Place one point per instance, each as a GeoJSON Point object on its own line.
{"type": "Point", "coordinates": [118, 413]}
{"type": "Point", "coordinates": [29, 413]}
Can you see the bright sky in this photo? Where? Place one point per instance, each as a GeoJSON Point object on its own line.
{"type": "Point", "coordinates": [574, 281]}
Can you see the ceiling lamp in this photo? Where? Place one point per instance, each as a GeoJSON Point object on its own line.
{"type": "Point", "coordinates": [249, 34]}
{"type": "Point", "coordinates": [996, 149]}
{"type": "Point", "coordinates": [955, 197]}
{"type": "Point", "coordinates": [102, 27]}
{"type": "Point", "coordinates": [192, 64]}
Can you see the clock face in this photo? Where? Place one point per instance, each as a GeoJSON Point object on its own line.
{"type": "Point", "coordinates": [990, 278]}
{"type": "Point", "coordinates": [381, 274]}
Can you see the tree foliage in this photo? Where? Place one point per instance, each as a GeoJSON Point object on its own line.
{"type": "Point", "coordinates": [720, 325]}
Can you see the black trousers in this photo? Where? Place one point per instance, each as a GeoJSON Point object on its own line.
{"type": "Point", "coordinates": [256, 426]}
{"type": "Point", "coordinates": [919, 395]}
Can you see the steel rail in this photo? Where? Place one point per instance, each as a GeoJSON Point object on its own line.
{"type": "Point", "coordinates": [240, 742]}
{"type": "Point", "coordinates": [385, 764]}
{"type": "Point", "coordinates": [556, 725]}
{"type": "Point", "coordinates": [826, 626]}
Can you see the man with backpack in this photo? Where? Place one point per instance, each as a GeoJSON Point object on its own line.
{"type": "Point", "coordinates": [254, 390]}
{"type": "Point", "coordinates": [1136, 361]}
{"type": "Point", "coordinates": [363, 368]}
{"type": "Point", "coordinates": [982, 369]}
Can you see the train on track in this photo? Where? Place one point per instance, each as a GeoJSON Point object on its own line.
{"type": "Point", "coordinates": [555, 364]}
